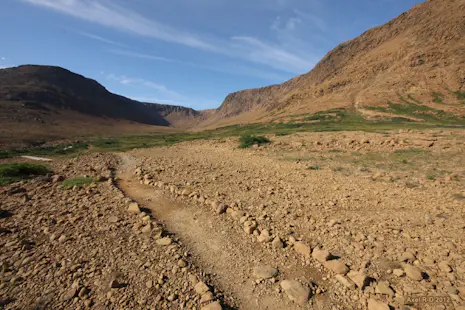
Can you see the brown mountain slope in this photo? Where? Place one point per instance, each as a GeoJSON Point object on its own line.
{"type": "Point", "coordinates": [419, 53]}
{"type": "Point", "coordinates": [43, 103]}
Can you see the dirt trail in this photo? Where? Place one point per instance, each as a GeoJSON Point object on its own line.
{"type": "Point", "coordinates": [216, 247]}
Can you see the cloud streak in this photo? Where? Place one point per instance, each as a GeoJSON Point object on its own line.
{"type": "Point", "coordinates": [98, 38]}
{"type": "Point", "coordinates": [140, 55]}
{"type": "Point", "coordinates": [110, 15]}
{"type": "Point", "coordinates": [161, 89]}
{"type": "Point", "coordinates": [230, 68]}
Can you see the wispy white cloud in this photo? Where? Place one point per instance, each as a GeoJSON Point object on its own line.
{"type": "Point", "coordinates": [140, 55]}
{"type": "Point", "coordinates": [98, 38]}
{"type": "Point", "coordinates": [108, 14]}
{"type": "Point", "coordinates": [159, 88]}
{"type": "Point", "coordinates": [158, 93]}
{"type": "Point", "coordinates": [2, 58]}
{"type": "Point", "coordinates": [312, 19]}
{"type": "Point", "coordinates": [111, 15]}
{"type": "Point", "coordinates": [229, 68]}
{"type": "Point", "coordinates": [271, 55]}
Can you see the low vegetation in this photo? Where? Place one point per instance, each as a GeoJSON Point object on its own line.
{"type": "Point", "coordinates": [409, 114]}
{"type": "Point", "coordinates": [250, 140]}
{"type": "Point", "coordinates": [416, 110]}
{"type": "Point", "coordinates": [10, 173]}
{"type": "Point", "coordinates": [438, 98]}
{"type": "Point", "coordinates": [460, 96]}
{"type": "Point", "coordinates": [79, 182]}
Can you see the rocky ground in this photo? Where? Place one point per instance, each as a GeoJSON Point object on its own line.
{"type": "Point", "coordinates": [91, 247]}
{"type": "Point", "coordinates": [311, 221]}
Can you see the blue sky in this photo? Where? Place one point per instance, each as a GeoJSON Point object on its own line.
{"type": "Point", "coordinates": [185, 52]}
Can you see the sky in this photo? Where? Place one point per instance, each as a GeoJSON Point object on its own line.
{"type": "Point", "coordinates": [184, 52]}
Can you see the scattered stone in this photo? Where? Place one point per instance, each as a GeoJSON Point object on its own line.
{"type": "Point", "coordinates": [114, 283]}
{"type": "Point", "coordinates": [113, 219]}
{"type": "Point", "coordinates": [359, 278]}
{"type": "Point", "coordinates": [407, 257]}
{"type": "Point", "coordinates": [344, 281]}
{"type": "Point", "coordinates": [83, 292]}
{"type": "Point", "coordinates": [413, 272]}
{"type": "Point", "coordinates": [374, 304]}
{"type": "Point", "coordinates": [221, 209]}
{"type": "Point", "coordinates": [164, 241]}
{"type": "Point", "coordinates": [337, 267]}
{"type": "Point", "coordinates": [302, 248]}
{"type": "Point", "coordinates": [383, 288]}
{"type": "Point", "coordinates": [237, 214]}
{"type": "Point", "coordinates": [277, 243]}
{"type": "Point", "coordinates": [320, 255]}
{"type": "Point", "coordinates": [398, 272]}
{"type": "Point", "coordinates": [71, 293]}
{"type": "Point", "coordinates": [212, 306]}
{"type": "Point", "coordinates": [264, 236]}
{"type": "Point", "coordinates": [193, 279]}
{"type": "Point", "coordinates": [147, 229]}
{"type": "Point", "coordinates": [250, 226]}
{"type": "Point", "coordinates": [445, 267]}
{"type": "Point", "coordinates": [264, 272]}
{"type": "Point", "coordinates": [134, 208]}
{"type": "Point", "coordinates": [295, 291]}
{"type": "Point", "coordinates": [201, 288]}
{"type": "Point", "coordinates": [207, 297]}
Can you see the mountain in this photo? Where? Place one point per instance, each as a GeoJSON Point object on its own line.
{"type": "Point", "coordinates": [45, 102]}
{"type": "Point", "coordinates": [417, 58]}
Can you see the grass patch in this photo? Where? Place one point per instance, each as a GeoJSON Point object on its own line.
{"type": "Point", "coordinates": [10, 173]}
{"type": "Point", "coordinates": [438, 98]}
{"type": "Point", "coordinates": [332, 120]}
{"type": "Point", "coordinates": [411, 107]}
{"type": "Point", "coordinates": [411, 151]}
{"type": "Point", "coordinates": [414, 99]}
{"type": "Point", "coordinates": [250, 140]}
{"type": "Point", "coordinates": [67, 149]}
{"type": "Point", "coordinates": [79, 182]}
{"type": "Point", "coordinates": [379, 109]}
{"type": "Point", "coordinates": [315, 168]}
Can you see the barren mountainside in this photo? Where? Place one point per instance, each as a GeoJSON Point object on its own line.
{"type": "Point", "coordinates": [46, 87]}
{"type": "Point", "coordinates": [419, 53]}
{"type": "Point", "coordinates": [42, 103]}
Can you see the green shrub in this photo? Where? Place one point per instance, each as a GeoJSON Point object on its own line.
{"type": "Point", "coordinates": [250, 140]}
{"type": "Point", "coordinates": [79, 182]}
{"type": "Point", "coordinates": [438, 98]}
{"type": "Point", "coordinates": [10, 173]}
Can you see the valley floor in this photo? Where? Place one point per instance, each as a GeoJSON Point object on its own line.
{"type": "Point", "coordinates": [345, 220]}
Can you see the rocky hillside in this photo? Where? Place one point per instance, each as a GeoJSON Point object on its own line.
{"type": "Point", "coordinates": [420, 55]}
{"type": "Point", "coordinates": [43, 103]}
{"type": "Point", "coordinates": [44, 88]}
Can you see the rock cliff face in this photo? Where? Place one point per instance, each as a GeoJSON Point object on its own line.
{"type": "Point", "coordinates": [420, 52]}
